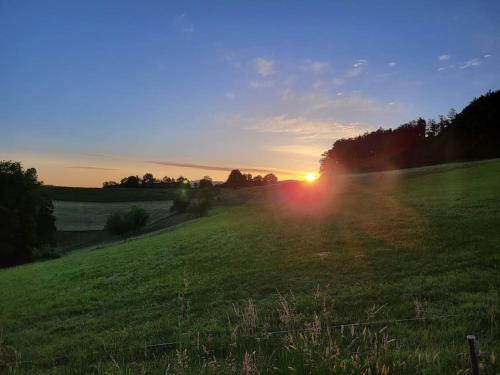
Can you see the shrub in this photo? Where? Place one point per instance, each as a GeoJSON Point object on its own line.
{"type": "Point", "coordinates": [180, 201]}
{"type": "Point", "coordinates": [137, 217]}
{"type": "Point", "coordinates": [203, 201]}
{"type": "Point", "coordinates": [200, 207]}
{"type": "Point", "coordinates": [120, 223]}
{"type": "Point", "coordinates": [116, 224]}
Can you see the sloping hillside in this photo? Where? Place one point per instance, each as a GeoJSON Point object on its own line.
{"type": "Point", "coordinates": [268, 286]}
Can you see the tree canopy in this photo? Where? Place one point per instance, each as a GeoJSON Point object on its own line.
{"type": "Point", "coordinates": [236, 179]}
{"type": "Point", "coordinates": [472, 134]}
{"type": "Point", "coordinates": [26, 214]}
{"type": "Point", "coordinates": [148, 181]}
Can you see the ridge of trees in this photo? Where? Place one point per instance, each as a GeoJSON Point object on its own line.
{"type": "Point", "coordinates": [472, 134]}
{"type": "Point", "coordinates": [148, 181]}
{"type": "Point", "coordinates": [236, 179]}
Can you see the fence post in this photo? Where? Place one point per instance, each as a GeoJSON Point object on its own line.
{"type": "Point", "coordinates": [474, 354]}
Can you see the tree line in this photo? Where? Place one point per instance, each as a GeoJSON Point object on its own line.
{"type": "Point", "coordinates": [236, 179]}
{"type": "Point", "coordinates": [150, 181]}
{"type": "Point", "coordinates": [472, 134]}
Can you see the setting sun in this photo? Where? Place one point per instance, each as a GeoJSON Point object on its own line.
{"type": "Point", "coordinates": [310, 176]}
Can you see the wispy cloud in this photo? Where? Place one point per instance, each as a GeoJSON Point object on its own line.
{"type": "Point", "coordinates": [307, 129]}
{"type": "Point", "coordinates": [357, 68]}
{"type": "Point", "coordinates": [264, 67]}
{"type": "Point", "coordinates": [392, 64]}
{"type": "Point", "coordinates": [183, 24]}
{"type": "Point", "coordinates": [470, 63]}
{"type": "Point", "coordinates": [444, 57]}
{"type": "Point", "coordinates": [223, 168]}
{"type": "Point", "coordinates": [229, 95]}
{"type": "Point", "coordinates": [318, 66]}
{"type": "Point", "coordinates": [302, 150]}
{"type": "Point", "coordinates": [181, 164]}
{"type": "Point", "coordinates": [91, 168]}
{"type": "Point", "coordinates": [261, 84]}
{"type": "Point", "coordinates": [487, 56]}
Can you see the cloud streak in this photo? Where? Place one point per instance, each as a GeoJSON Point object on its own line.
{"type": "Point", "coordinates": [91, 168]}
{"type": "Point", "coordinates": [471, 63]}
{"type": "Point", "coordinates": [302, 150]}
{"type": "Point", "coordinates": [307, 129]}
{"type": "Point", "coordinates": [222, 168]}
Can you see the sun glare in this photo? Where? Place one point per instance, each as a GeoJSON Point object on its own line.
{"type": "Point", "coordinates": [310, 177]}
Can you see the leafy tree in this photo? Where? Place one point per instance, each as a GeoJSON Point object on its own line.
{"type": "Point", "coordinates": [182, 183]}
{"type": "Point", "coordinates": [26, 215]}
{"type": "Point", "coordinates": [116, 224]}
{"type": "Point", "coordinates": [131, 182]}
{"type": "Point", "coordinates": [148, 180]}
{"type": "Point", "coordinates": [202, 202]}
{"type": "Point", "coordinates": [205, 182]}
{"type": "Point", "coordinates": [168, 181]}
{"type": "Point", "coordinates": [236, 179]}
{"type": "Point", "coordinates": [119, 223]}
{"type": "Point", "coordinates": [180, 202]}
{"type": "Point", "coordinates": [110, 184]}
{"type": "Point", "coordinates": [258, 180]}
{"type": "Point", "coordinates": [270, 179]}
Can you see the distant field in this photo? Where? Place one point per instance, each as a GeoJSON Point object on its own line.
{"type": "Point", "coordinates": [77, 194]}
{"type": "Point", "coordinates": [269, 287]}
{"type": "Point", "coordinates": [87, 216]}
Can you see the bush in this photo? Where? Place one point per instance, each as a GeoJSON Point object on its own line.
{"type": "Point", "coordinates": [180, 201]}
{"type": "Point", "coordinates": [137, 217]}
{"type": "Point", "coordinates": [120, 223]}
{"type": "Point", "coordinates": [202, 202]}
{"type": "Point", "coordinates": [200, 207]}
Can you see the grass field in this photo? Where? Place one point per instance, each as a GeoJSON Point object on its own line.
{"type": "Point", "coordinates": [85, 216]}
{"type": "Point", "coordinates": [77, 194]}
{"type": "Point", "coordinates": [268, 287]}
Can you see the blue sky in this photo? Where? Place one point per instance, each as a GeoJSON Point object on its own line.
{"type": "Point", "coordinates": [95, 90]}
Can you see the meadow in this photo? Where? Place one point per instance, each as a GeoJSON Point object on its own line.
{"type": "Point", "coordinates": [80, 194]}
{"type": "Point", "coordinates": [382, 273]}
{"type": "Point", "coordinates": [86, 216]}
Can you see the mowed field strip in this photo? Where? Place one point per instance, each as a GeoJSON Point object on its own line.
{"type": "Point", "coordinates": [85, 216]}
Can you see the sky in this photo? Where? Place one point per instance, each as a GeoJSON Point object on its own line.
{"type": "Point", "coordinates": [98, 90]}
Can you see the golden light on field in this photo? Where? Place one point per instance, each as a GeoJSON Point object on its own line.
{"type": "Point", "coordinates": [310, 177]}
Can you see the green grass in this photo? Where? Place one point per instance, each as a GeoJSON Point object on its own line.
{"type": "Point", "coordinates": [78, 194]}
{"type": "Point", "coordinates": [86, 216]}
{"type": "Point", "coordinates": [388, 246]}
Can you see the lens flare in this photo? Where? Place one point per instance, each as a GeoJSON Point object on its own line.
{"type": "Point", "coordinates": [310, 177]}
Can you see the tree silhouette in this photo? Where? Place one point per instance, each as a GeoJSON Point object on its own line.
{"type": "Point", "coordinates": [148, 180]}
{"type": "Point", "coordinates": [26, 214]}
{"type": "Point", "coordinates": [270, 179]}
{"type": "Point", "coordinates": [236, 179]}
{"type": "Point", "coordinates": [472, 134]}
{"type": "Point", "coordinates": [205, 182]}
{"type": "Point", "coordinates": [131, 182]}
